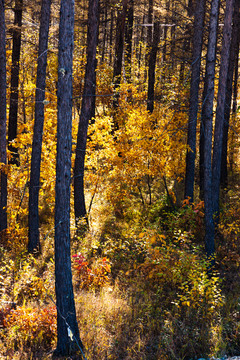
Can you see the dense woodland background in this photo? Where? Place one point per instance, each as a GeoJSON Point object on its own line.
{"type": "Point", "coordinates": [119, 147]}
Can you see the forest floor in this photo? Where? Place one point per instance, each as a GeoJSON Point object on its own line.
{"type": "Point", "coordinates": [141, 285]}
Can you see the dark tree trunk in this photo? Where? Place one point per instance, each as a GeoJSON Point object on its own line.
{"type": "Point", "coordinates": [152, 66]}
{"type": "Point", "coordinates": [186, 44]}
{"type": "Point", "coordinates": [111, 38]}
{"type": "Point", "coordinates": [88, 105]}
{"type": "Point", "coordinates": [206, 127]}
{"type": "Point", "coordinates": [66, 314]}
{"type": "Point", "coordinates": [221, 99]}
{"type": "Point", "coordinates": [208, 92]}
{"type": "Point", "coordinates": [194, 90]}
{"type": "Point", "coordinates": [149, 21]}
{"type": "Point", "coordinates": [105, 29]}
{"type": "Point", "coordinates": [3, 142]}
{"type": "Point", "coordinates": [128, 40]}
{"type": "Point", "coordinates": [165, 30]}
{"type": "Point", "coordinates": [13, 110]}
{"type": "Point", "coordinates": [173, 36]}
{"type": "Point", "coordinates": [233, 53]}
{"type": "Point", "coordinates": [234, 110]}
{"type": "Point", "coordinates": [120, 31]}
{"type": "Point", "coordinates": [33, 217]}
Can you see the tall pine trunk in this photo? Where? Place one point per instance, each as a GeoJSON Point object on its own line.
{"type": "Point", "coordinates": [33, 217]}
{"type": "Point", "coordinates": [87, 109]}
{"type": "Point", "coordinates": [128, 40]}
{"type": "Point", "coordinates": [206, 127]}
{"type": "Point", "coordinates": [194, 90]}
{"type": "Point", "coordinates": [3, 142]}
{"type": "Point", "coordinates": [119, 46]}
{"type": "Point", "coordinates": [234, 49]}
{"type": "Point", "coordinates": [152, 66]}
{"type": "Point", "coordinates": [13, 110]}
{"type": "Point", "coordinates": [68, 337]}
{"type": "Point", "coordinates": [221, 99]}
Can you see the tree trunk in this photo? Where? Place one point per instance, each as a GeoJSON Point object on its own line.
{"type": "Point", "coordinates": [111, 38]}
{"type": "Point", "coordinates": [128, 38]}
{"type": "Point", "coordinates": [88, 105]}
{"type": "Point", "coordinates": [105, 29]}
{"type": "Point", "coordinates": [208, 92]}
{"type": "Point", "coordinates": [234, 49]}
{"type": "Point", "coordinates": [66, 314]}
{"type": "Point", "coordinates": [3, 142]}
{"type": "Point", "coordinates": [13, 110]}
{"type": "Point", "coordinates": [165, 31]}
{"type": "Point", "coordinates": [206, 127]}
{"type": "Point", "coordinates": [194, 90]}
{"type": "Point", "coordinates": [152, 66]}
{"type": "Point", "coordinates": [221, 99]}
{"type": "Point", "coordinates": [234, 111]}
{"type": "Point", "coordinates": [149, 36]}
{"type": "Point", "coordinates": [120, 31]}
{"type": "Point", "coordinates": [33, 217]}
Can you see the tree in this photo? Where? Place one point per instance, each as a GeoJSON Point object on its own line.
{"type": "Point", "coordinates": [87, 109]}
{"type": "Point", "coordinates": [152, 66]}
{"type": "Point", "coordinates": [234, 49]}
{"type": "Point", "coordinates": [67, 327]}
{"type": "Point", "coordinates": [206, 127]}
{"type": "Point", "coordinates": [119, 46]}
{"type": "Point", "coordinates": [33, 217]}
{"type": "Point", "coordinates": [128, 40]}
{"type": "Point", "coordinates": [16, 49]}
{"type": "Point", "coordinates": [221, 99]}
{"type": "Point", "coordinates": [3, 144]}
{"type": "Point", "coordinates": [194, 90]}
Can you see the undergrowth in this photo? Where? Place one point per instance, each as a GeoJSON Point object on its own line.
{"type": "Point", "coordinates": [142, 288]}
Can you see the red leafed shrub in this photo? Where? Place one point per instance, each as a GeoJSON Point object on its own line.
{"type": "Point", "coordinates": [94, 276]}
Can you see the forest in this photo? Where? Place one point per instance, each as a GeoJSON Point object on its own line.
{"type": "Point", "coordinates": [119, 179]}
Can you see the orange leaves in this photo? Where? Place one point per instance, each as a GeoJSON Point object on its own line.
{"type": "Point", "coordinates": [92, 277]}
{"type": "Point", "coordinates": [28, 325]}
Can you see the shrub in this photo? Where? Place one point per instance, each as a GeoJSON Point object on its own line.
{"type": "Point", "coordinates": [31, 328]}
{"type": "Point", "coordinates": [91, 277]}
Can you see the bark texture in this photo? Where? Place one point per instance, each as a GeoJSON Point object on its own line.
{"type": "Point", "coordinates": [117, 70]}
{"type": "Point", "coordinates": [206, 128]}
{"type": "Point", "coordinates": [33, 223]}
{"type": "Point", "coordinates": [66, 314]}
{"type": "Point", "coordinates": [3, 143]}
{"type": "Point", "coordinates": [194, 91]}
{"type": "Point", "coordinates": [152, 66]}
{"type": "Point", "coordinates": [221, 99]}
{"type": "Point", "coordinates": [87, 109]}
{"type": "Point", "coordinates": [13, 110]}
{"type": "Point", "coordinates": [234, 49]}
